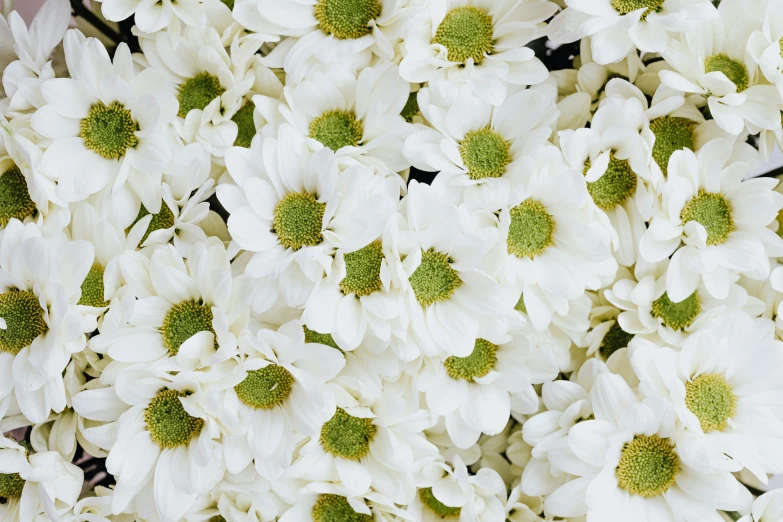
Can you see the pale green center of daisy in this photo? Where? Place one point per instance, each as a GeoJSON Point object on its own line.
{"type": "Point", "coordinates": [713, 212]}
{"type": "Point", "coordinates": [437, 507]}
{"type": "Point", "coordinates": [629, 6]}
{"type": "Point", "coordinates": [434, 280]}
{"type": "Point", "coordinates": [530, 230]}
{"type": "Point", "coordinates": [520, 306]}
{"type": "Point", "coordinates": [337, 129]}
{"type": "Point", "coordinates": [710, 398]}
{"type": "Point", "coordinates": [92, 288]}
{"type": "Point", "coordinates": [163, 220]}
{"type": "Point", "coordinates": [677, 316]}
{"type": "Point", "coordinates": [363, 270]}
{"type": "Point", "coordinates": [15, 201]}
{"type": "Point", "coordinates": [198, 92]}
{"type": "Point", "coordinates": [183, 321]}
{"type": "Point", "coordinates": [109, 130]}
{"type": "Point", "coordinates": [346, 19]}
{"type": "Point", "coordinates": [478, 364]}
{"type": "Point", "coordinates": [648, 466]}
{"type": "Point", "coordinates": [780, 45]}
{"type": "Point", "coordinates": [411, 108]}
{"type": "Point", "coordinates": [735, 71]}
{"type": "Point", "coordinates": [246, 125]}
{"type": "Point", "coordinates": [298, 220]}
{"type": "Point", "coordinates": [24, 320]}
{"type": "Point", "coordinates": [311, 336]}
{"type": "Point", "coordinates": [485, 153]}
{"type": "Point", "coordinates": [347, 436]}
{"type": "Point", "coordinates": [465, 32]}
{"type": "Point", "coordinates": [11, 485]}
{"type": "Point", "coordinates": [614, 339]}
{"type": "Point", "coordinates": [671, 134]}
{"type": "Point", "coordinates": [168, 422]}
{"type": "Point", "coordinates": [334, 508]}
{"type": "Point", "coordinates": [616, 185]}
{"type": "Point", "coordinates": [265, 388]}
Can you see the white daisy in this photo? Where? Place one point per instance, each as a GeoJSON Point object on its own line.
{"type": "Point", "coordinates": [477, 42]}
{"type": "Point", "coordinates": [150, 17]}
{"type": "Point", "coordinates": [764, 44]}
{"type": "Point", "coordinates": [322, 502]}
{"type": "Point", "coordinates": [766, 508]}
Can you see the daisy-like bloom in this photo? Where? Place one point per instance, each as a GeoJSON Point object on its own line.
{"type": "Point", "coordinates": [723, 388]}
{"type": "Point", "coordinates": [279, 395]}
{"type": "Point", "coordinates": [324, 502]}
{"type": "Point", "coordinates": [36, 486]}
{"type": "Point", "coordinates": [477, 42]}
{"type": "Point", "coordinates": [108, 125]}
{"type": "Point", "coordinates": [764, 44]}
{"type": "Point", "coordinates": [615, 27]}
{"type": "Point", "coordinates": [478, 149]}
{"type": "Point", "coordinates": [625, 465]}
{"type": "Point", "coordinates": [711, 61]}
{"type": "Point", "coordinates": [151, 17]}
{"type": "Point", "coordinates": [766, 508]}
{"type": "Point", "coordinates": [711, 223]}
{"type": "Point", "coordinates": [478, 392]}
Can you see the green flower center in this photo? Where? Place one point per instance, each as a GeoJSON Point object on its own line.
{"type": "Point", "coordinates": [161, 221]}
{"type": "Point", "coordinates": [246, 125]}
{"type": "Point", "coordinates": [198, 92]}
{"type": "Point", "coordinates": [735, 71]}
{"type": "Point", "coordinates": [230, 5]}
{"type": "Point", "coordinates": [411, 108]}
{"type": "Point", "coordinates": [485, 153]}
{"type": "Point", "coordinates": [347, 436]}
{"type": "Point", "coordinates": [168, 422]}
{"type": "Point", "coordinates": [183, 321]}
{"type": "Point", "coordinates": [629, 6]}
{"type": "Point", "coordinates": [434, 280]}
{"type": "Point", "coordinates": [265, 388]}
{"type": "Point", "coordinates": [11, 486]}
{"type": "Point", "coordinates": [363, 270]}
{"type": "Point", "coordinates": [298, 220]}
{"type": "Point", "coordinates": [311, 336]}
{"type": "Point", "coordinates": [520, 306]}
{"type": "Point", "coordinates": [478, 364]}
{"type": "Point", "coordinates": [465, 32]}
{"type": "Point", "coordinates": [710, 398]}
{"type": "Point", "coordinates": [24, 320]}
{"type": "Point", "coordinates": [648, 466]}
{"type": "Point", "coordinates": [780, 45]}
{"type": "Point", "coordinates": [713, 212]}
{"type": "Point", "coordinates": [677, 316]}
{"type": "Point", "coordinates": [15, 201]}
{"type": "Point", "coordinates": [109, 130]}
{"type": "Point", "coordinates": [614, 339]}
{"type": "Point", "coordinates": [334, 508]}
{"type": "Point", "coordinates": [531, 229]}
{"type": "Point", "coordinates": [616, 185]}
{"type": "Point", "coordinates": [92, 288]}
{"type": "Point", "coordinates": [337, 129]}
{"type": "Point", "coordinates": [671, 134]}
{"type": "Point", "coordinates": [440, 509]}
{"type": "Point", "coordinates": [346, 19]}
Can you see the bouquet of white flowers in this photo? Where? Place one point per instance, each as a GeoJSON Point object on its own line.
{"type": "Point", "coordinates": [391, 261]}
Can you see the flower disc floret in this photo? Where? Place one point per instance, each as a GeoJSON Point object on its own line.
{"type": "Point", "coordinates": [363, 270]}
{"type": "Point", "coordinates": [485, 153]}
{"type": "Point", "coordinates": [337, 129]}
{"type": "Point", "coordinates": [629, 6]}
{"type": "Point", "coordinates": [15, 201]}
{"type": "Point", "coordinates": [298, 220]}
{"type": "Point", "coordinates": [711, 399]}
{"type": "Point", "coordinates": [466, 32]}
{"type": "Point", "coordinates": [411, 108]}
{"type": "Point", "coordinates": [531, 229]}
{"type": "Point", "coordinates": [615, 339]}
{"type": "Point", "coordinates": [24, 320]}
{"type": "Point", "coordinates": [265, 388]}
{"type": "Point", "coordinates": [616, 185]}
{"type": "Point", "coordinates": [713, 212]}
{"type": "Point", "coordinates": [92, 288]}
{"type": "Point", "coordinates": [161, 221]}
{"type": "Point", "coordinates": [246, 125]}
{"type": "Point", "coordinates": [347, 436]}
{"type": "Point", "coordinates": [671, 134]}
{"type": "Point", "coordinates": [198, 92]}
{"type": "Point", "coordinates": [109, 130]}
{"type": "Point", "coordinates": [434, 280]}
{"type": "Point", "coordinates": [735, 71]}
{"type": "Point", "coordinates": [648, 466]}
{"type": "Point", "coordinates": [334, 508]}
{"type": "Point", "coordinates": [11, 485]}
{"type": "Point", "coordinates": [346, 19]}
{"type": "Point", "coordinates": [677, 316]}
{"type": "Point", "coordinates": [437, 507]}
{"type": "Point", "coordinates": [479, 363]}
{"type": "Point", "coordinates": [167, 421]}
{"type": "Point", "coordinates": [311, 336]}
{"type": "Point", "coordinates": [183, 321]}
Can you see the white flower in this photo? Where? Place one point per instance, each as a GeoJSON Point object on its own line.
{"type": "Point", "coordinates": [154, 16]}
{"type": "Point", "coordinates": [476, 42]}
{"type": "Point", "coordinates": [711, 223]}
{"type": "Point", "coordinates": [319, 502]}
{"type": "Point", "coordinates": [766, 508]}
{"type": "Point", "coordinates": [764, 44]}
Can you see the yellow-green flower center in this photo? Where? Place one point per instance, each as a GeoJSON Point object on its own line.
{"type": "Point", "coordinates": [485, 153]}
{"type": "Point", "coordinates": [780, 45]}
{"type": "Point", "coordinates": [677, 316]}
{"type": "Point", "coordinates": [735, 71]}
{"type": "Point", "coordinates": [15, 201]}
{"type": "Point", "coordinates": [478, 364]}
{"type": "Point", "coordinates": [531, 229]}
{"type": "Point", "coordinates": [363, 270]}
{"type": "Point", "coordinates": [434, 280]}
{"type": "Point", "coordinates": [671, 134]}
{"type": "Point", "coordinates": [411, 108]}
{"type": "Point", "coordinates": [198, 92]}
{"type": "Point", "coordinates": [246, 125]}
{"type": "Point", "coordinates": [163, 220]}
{"type": "Point", "coordinates": [520, 306]}
{"type": "Point", "coordinates": [437, 507]}
{"type": "Point", "coordinates": [614, 339]}
{"type": "Point", "coordinates": [92, 288]}
{"type": "Point", "coordinates": [298, 220]}
{"type": "Point", "coordinates": [615, 186]}
{"type": "Point", "coordinates": [710, 398]}
{"type": "Point", "coordinates": [337, 129]}
{"type": "Point", "coordinates": [230, 5]}
{"type": "Point", "coordinates": [334, 508]}
{"type": "Point", "coordinates": [465, 32]}
{"type": "Point", "coordinates": [109, 130]}
{"type": "Point", "coordinates": [311, 336]}
{"type": "Point", "coordinates": [347, 436]}
{"type": "Point", "coordinates": [24, 320]}
{"type": "Point", "coordinates": [713, 212]}
{"type": "Point", "coordinates": [629, 6]}
{"type": "Point", "coordinates": [183, 321]}
{"type": "Point", "coordinates": [648, 466]}
{"type": "Point", "coordinates": [346, 19]}
{"type": "Point", "coordinates": [168, 422]}
{"type": "Point", "coordinates": [265, 388]}
{"type": "Point", "coordinates": [11, 486]}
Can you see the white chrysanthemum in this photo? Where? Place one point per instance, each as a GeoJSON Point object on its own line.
{"type": "Point", "coordinates": [764, 44]}
{"type": "Point", "coordinates": [481, 150]}
{"type": "Point", "coordinates": [323, 502]}
{"type": "Point", "coordinates": [151, 17]}
{"type": "Point", "coordinates": [625, 465]}
{"type": "Point", "coordinates": [766, 508]}
{"type": "Point", "coordinates": [724, 389]}
{"type": "Point", "coordinates": [615, 27]}
{"type": "Point", "coordinates": [711, 223]}
{"type": "Point", "coordinates": [711, 60]}
{"type": "Point", "coordinates": [108, 125]}
{"type": "Point", "coordinates": [477, 42]}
